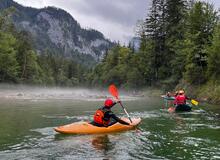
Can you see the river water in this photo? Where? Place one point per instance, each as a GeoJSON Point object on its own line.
{"type": "Point", "coordinates": [26, 130]}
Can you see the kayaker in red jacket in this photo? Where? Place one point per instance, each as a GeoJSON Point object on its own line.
{"type": "Point", "coordinates": [104, 117]}
{"type": "Point", "coordinates": [181, 98]}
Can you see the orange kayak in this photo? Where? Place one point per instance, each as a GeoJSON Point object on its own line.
{"type": "Point", "coordinates": [87, 128]}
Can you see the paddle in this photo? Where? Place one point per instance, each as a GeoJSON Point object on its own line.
{"type": "Point", "coordinates": [114, 92]}
{"type": "Point", "coordinates": [194, 102]}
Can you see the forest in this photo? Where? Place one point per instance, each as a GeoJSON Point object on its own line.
{"type": "Point", "coordinates": [179, 47]}
{"type": "Point", "coordinates": [20, 63]}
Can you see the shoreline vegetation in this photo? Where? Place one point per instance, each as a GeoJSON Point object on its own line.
{"type": "Point", "coordinates": [179, 49]}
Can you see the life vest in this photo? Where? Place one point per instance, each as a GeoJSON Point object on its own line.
{"type": "Point", "coordinates": [99, 117]}
{"type": "Point", "coordinates": [180, 99]}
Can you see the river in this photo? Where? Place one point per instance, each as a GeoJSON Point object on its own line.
{"type": "Point", "coordinates": [27, 124]}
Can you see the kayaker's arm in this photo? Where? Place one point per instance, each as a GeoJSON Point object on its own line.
{"type": "Point", "coordinates": [118, 119]}
{"type": "Point", "coordinates": [123, 122]}
{"type": "Point", "coordinates": [188, 98]}
{"type": "Point", "coordinates": [114, 104]}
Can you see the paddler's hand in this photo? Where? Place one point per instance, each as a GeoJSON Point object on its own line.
{"type": "Point", "coordinates": [131, 124]}
{"type": "Point", "coordinates": [118, 101]}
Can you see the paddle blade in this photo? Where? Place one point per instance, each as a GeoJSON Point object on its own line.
{"type": "Point", "coordinates": [194, 102]}
{"type": "Point", "coordinates": [113, 91]}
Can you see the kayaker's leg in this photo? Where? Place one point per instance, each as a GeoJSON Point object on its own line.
{"type": "Point", "coordinates": [96, 124]}
{"type": "Point", "coordinates": [112, 122]}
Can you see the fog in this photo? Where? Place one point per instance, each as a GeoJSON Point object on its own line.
{"type": "Point", "coordinates": [8, 91]}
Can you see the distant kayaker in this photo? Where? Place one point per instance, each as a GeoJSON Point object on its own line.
{"type": "Point", "coordinates": [181, 98]}
{"type": "Point", "coordinates": [104, 117]}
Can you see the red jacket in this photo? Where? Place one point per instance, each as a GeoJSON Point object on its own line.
{"type": "Point", "coordinates": [180, 99]}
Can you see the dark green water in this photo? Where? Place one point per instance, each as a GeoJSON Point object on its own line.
{"type": "Point", "coordinates": [26, 132]}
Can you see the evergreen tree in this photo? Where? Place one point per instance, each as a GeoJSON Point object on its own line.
{"type": "Point", "coordinates": [155, 32]}
{"type": "Point", "coordinates": [29, 70]}
{"type": "Point", "coordinates": [201, 21]}
{"type": "Point", "coordinates": [175, 28]}
{"type": "Point", "coordinates": [8, 63]}
{"type": "Point", "coordinates": [214, 56]}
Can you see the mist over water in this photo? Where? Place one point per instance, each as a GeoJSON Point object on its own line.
{"type": "Point", "coordinates": [44, 93]}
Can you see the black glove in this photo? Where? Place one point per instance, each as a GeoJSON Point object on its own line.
{"type": "Point", "coordinates": [118, 101]}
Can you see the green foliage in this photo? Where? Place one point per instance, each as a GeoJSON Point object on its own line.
{"type": "Point", "coordinates": [8, 63]}
{"type": "Point", "coordinates": [161, 34]}
{"type": "Point", "coordinates": [174, 60]}
{"type": "Point", "coordinates": [214, 56]}
{"type": "Point", "coordinates": [181, 48]}
{"type": "Point", "coordinates": [19, 62]}
{"type": "Point", "coordinates": [146, 65]}
{"type": "Point", "coordinates": [60, 71]}
{"type": "Point", "coordinates": [156, 34]}
{"type": "Point", "coordinates": [119, 67]}
{"type": "Point", "coordinates": [29, 69]}
{"type": "Point", "coordinates": [201, 22]}
{"type": "Point", "coordinates": [176, 44]}
{"type": "Point", "coordinates": [175, 40]}
{"type": "Point", "coordinates": [180, 42]}
{"type": "Point", "coordinates": [212, 87]}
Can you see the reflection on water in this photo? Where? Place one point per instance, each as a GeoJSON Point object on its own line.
{"type": "Point", "coordinates": [27, 132]}
{"type": "Point", "coordinates": [102, 142]}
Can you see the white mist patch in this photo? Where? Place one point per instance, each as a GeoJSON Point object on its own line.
{"type": "Point", "coordinates": [40, 93]}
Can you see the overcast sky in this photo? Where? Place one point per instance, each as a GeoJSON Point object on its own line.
{"type": "Point", "coordinates": [116, 19]}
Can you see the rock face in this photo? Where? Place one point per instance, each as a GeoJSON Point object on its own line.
{"type": "Point", "coordinates": [56, 30]}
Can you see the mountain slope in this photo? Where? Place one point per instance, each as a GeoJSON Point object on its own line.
{"type": "Point", "coordinates": [56, 30]}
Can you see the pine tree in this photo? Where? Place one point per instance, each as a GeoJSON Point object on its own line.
{"type": "Point", "coordinates": [201, 21]}
{"type": "Point", "coordinates": [214, 56]}
{"type": "Point", "coordinates": [29, 70]}
{"type": "Point", "coordinates": [155, 34]}
{"type": "Point", "coordinates": [176, 11]}
{"type": "Point", "coordinates": [8, 63]}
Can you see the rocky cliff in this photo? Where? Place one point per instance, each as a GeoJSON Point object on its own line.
{"type": "Point", "coordinates": [56, 30]}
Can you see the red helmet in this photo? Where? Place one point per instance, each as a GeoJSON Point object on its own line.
{"type": "Point", "coordinates": [108, 103]}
